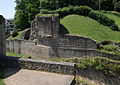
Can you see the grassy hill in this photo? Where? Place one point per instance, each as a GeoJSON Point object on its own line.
{"type": "Point", "coordinates": [113, 15]}
{"type": "Point", "coordinates": [17, 37]}
{"type": "Point", "coordinates": [86, 26]}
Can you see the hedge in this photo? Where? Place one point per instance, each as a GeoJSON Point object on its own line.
{"type": "Point", "coordinates": [85, 11]}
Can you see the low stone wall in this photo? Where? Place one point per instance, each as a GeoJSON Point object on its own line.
{"type": "Point", "coordinates": [60, 67]}
{"type": "Point", "coordinates": [69, 41]}
{"type": "Point", "coordinates": [43, 65]}
{"type": "Point", "coordinates": [27, 48]}
{"type": "Point", "coordinates": [40, 51]}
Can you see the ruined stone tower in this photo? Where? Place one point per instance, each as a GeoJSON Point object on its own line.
{"type": "Point", "coordinates": [44, 26]}
{"type": "Point", "coordinates": [2, 36]}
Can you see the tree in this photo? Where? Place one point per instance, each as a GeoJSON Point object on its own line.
{"type": "Point", "coordinates": [26, 11]}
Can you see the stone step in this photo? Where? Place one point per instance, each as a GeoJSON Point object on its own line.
{"type": "Point", "coordinates": [31, 77]}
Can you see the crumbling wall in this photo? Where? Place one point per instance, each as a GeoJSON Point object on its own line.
{"type": "Point", "coordinates": [2, 36]}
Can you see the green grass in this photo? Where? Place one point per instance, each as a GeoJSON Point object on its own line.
{"type": "Point", "coordinates": [17, 37]}
{"type": "Point", "coordinates": [108, 66]}
{"type": "Point", "coordinates": [114, 17]}
{"type": "Point", "coordinates": [20, 55]}
{"type": "Point", "coordinates": [88, 27]}
{"type": "Point", "coordinates": [17, 55]}
{"type": "Point", "coordinates": [1, 76]}
{"type": "Point", "coordinates": [48, 15]}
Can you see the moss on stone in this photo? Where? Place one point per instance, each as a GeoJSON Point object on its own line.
{"type": "Point", "coordinates": [108, 66]}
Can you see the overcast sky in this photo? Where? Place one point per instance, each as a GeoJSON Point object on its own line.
{"type": "Point", "coordinates": [7, 8]}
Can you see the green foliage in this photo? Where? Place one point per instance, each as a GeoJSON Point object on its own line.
{"type": "Point", "coordinates": [48, 15]}
{"type": "Point", "coordinates": [55, 4]}
{"type": "Point", "coordinates": [17, 55]}
{"type": "Point", "coordinates": [1, 76]}
{"type": "Point", "coordinates": [88, 27]}
{"type": "Point", "coordinates": [103, 19]}
{"type": "Point", "coordinates": [82, 10]}
{"type": "Point", "coordinates": [117, 6]}
{"type": "Point", "coordinates": [86, 11]}
{"type": "Point", "coordinates": [106, 65]}
{"type": "Point", "coordinates": [17, 37]}
{"type": "Point", "coordinates": [110, 47]}
{"type": "Point", "coordinates": [14, 34]}
{"type": "Point", "coordinates": [26, 11]}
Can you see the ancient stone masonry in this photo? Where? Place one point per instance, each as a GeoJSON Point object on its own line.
{"type": "Point", "coordinates": [2, 36]}
{"type": "Point", "coordinates": [44, 27]}
{"type": "Point", "coordinates": [45, 42]}
{"type": "Point", "coordinates": [44, 31]}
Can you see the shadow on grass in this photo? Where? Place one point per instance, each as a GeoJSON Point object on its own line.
{"type": "Point", "coordinates": [63, 30]}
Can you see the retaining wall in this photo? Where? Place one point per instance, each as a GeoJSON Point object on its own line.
{"type": "Point", "coordinates": [90, 74]}
{"type": "Point", "coordinates": [31, 49]}
{"type": "Point", "coordinates": [69, 41]}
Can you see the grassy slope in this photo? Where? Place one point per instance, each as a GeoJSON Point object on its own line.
{"type": "Point", "coordinates": [85, 26]}
{"type": "Point", "coordinates": [17, 37]}
{"type": "Point", "coordinates": [114, 17]}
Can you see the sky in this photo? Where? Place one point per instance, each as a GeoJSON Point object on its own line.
{"type": "Point", "coordinates": [7, 8]}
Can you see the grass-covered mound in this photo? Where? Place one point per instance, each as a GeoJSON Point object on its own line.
{"type": "Point", "coordinates": [86, 26]}
{"type": "Point", "coordinates": [106, 65]}
{"type": "Point", "coordinates": [113, 15]}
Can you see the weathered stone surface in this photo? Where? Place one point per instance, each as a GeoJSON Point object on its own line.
{"type": "Point", "coordinates": [2, 36]}
{"type": "Point", "coordinates": [40, 65]}
{"type": "Point", "coordinates": [60, 67]}
{"type": "Point", "coordinates": [30, 48]}
{"type": "Point", "coordinates": [26, 34]}
{"type": "Point", "coordinates": [31, 77]}
{"type": "Point", "coordinates": [44, 27]}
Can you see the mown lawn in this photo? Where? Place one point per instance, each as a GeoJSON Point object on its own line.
{"type": "Point", "coordinates": [86, 26]}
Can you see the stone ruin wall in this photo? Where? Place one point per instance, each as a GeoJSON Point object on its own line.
{"type": "Point", "coordinates": [52, 45]}
{"type": "Point", "coordinates": [2, 36]}
{"type": "Point", "coordinates": [44, 31]}
{"type": "Point", "coordinates": [31, 49]}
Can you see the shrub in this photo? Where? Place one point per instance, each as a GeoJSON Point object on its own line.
{"type": "Point", "coordinates": [82, 10]}
{"type": "Point", "coordinates": [103, 19]}
{"type": "Point", "coordinates": [45, 11]}
{"type": "Point", "coordinates": [14, 34]}
{"type": "Point", "coordinates": [110, 48]}
{"type": "Point", "coordinates": [117, 6]}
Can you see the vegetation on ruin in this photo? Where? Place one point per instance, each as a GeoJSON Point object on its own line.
{"type": "Point", "coordinates": [106, 65]}
{"type": "Point", "coordinates": [1, 76]}
{"type": "Point", "coordinates": [48, 15]}
{"type": "Point", "coordinates": [17, 37]}
{"type": "Point", "coordinates": [20, 55]}
{"type": "Point", "coordinates": [88, 27]}
{"type": "Point", "coordinates": [26, 10]}
{"type": "Point", "coordinates": [17, 55]}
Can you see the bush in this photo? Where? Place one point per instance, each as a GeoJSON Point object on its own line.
{"type": "Point", "coordinates": [82, 10]}
{"type": "Point", "coordinates": [45, 11]}
{"type": "Point", "coordinates": [117, 6]}
{"type": "Point", "coordinates": [103, 19]}
{"type": "Point", "coordinates": [14, 34]}
{"type": "Point", "coordinates": [110, 48]}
